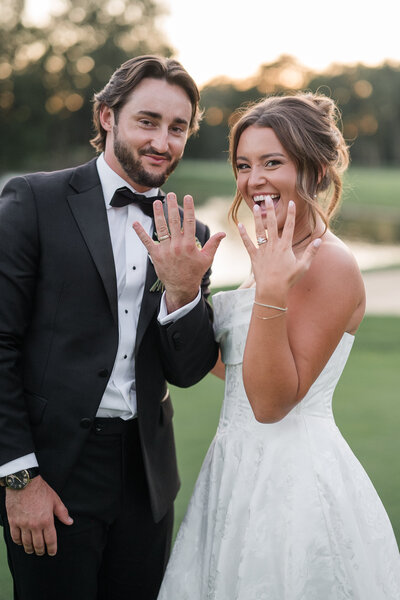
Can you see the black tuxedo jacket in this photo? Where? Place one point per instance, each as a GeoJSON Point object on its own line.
{"type": "Point", "coordinates": [59, 331]}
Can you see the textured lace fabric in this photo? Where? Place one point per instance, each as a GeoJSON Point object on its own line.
{"type": "Point", "coordinates": [281, 511]}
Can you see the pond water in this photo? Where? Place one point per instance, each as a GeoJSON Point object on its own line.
{"type": "Point", "coordinates": [231, 265]}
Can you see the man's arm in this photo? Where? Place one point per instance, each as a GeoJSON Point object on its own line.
{"type": "Point", "coordinates": [30, 510]}
{"type": "Point", "coordinates": [19, 256]}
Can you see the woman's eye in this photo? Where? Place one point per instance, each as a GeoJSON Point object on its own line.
{"type": "Point", "coordinates": [242, 166]}
{"type": "Point", "coordinates": [272, 163]}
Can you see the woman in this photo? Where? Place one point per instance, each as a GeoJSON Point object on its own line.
{"type": "Point", "coordinates": [282, 509]}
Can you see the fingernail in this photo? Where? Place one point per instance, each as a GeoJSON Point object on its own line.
{"type": "Point", "coordinates": [317, 243]}
{"type": "Point", "coordinates": [291, 203]}
{"type": "Point", "coordinates": [240, 226]}
{"type": "Point", "coordinates": [268, 201]}
{"type": "Point", "coordinates": [256, 208]}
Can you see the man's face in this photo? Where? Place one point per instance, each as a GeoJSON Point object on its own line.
{"type": "Point", "coordinates": [147, 140]}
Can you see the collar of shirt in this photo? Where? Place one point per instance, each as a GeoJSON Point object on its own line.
{"type": "Point", "coordinates": [111, 181]}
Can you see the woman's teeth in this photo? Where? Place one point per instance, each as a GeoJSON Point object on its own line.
{"type": "Point", "coordinates": [262, 198]}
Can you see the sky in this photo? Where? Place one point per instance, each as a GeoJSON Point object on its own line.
{"type": "Point", "coordinates": [234, 37]}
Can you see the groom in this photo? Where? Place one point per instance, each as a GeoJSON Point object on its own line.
{"type": "Point", "coordinates": [87, 458]}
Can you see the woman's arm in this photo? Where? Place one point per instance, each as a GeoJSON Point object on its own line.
{"type": "Point", "coordinates": [285, 354]}
{"type": "Point", "coordinates": [219, 369]}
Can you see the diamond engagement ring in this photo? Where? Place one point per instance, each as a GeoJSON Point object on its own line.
{"type": "Point", "coordinates": [164, 237]}
{"type": "Point", "coordinates": [261, 240]}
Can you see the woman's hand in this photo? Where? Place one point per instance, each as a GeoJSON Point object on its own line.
{"type": "Point", "coordinates": [178, 261]}
{"type": "Point", "coordinates": [275, 267]}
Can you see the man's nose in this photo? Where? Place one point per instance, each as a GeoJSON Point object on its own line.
{"type": "Point", "coordinates": [160, 140]}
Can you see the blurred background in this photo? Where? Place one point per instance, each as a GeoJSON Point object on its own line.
{"type": "Point", "coordinates": [54, 54]}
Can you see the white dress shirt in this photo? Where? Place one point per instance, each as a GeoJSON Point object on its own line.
{"type": "Point", "coordinates": [130, 258]}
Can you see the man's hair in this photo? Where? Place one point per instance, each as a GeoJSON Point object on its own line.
{"type": "Point", "coordinates": [125, 79]}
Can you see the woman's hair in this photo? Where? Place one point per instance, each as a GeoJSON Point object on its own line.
{"type": "Point", "coordinates": [306, 126]}
{"type": "Point", "coordinates": [117, 91]}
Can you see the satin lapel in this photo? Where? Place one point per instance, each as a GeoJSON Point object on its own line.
{"type": "Point", "coordinates": [90, 214]}
{"type": "Point", "coordinates": [150, 304]}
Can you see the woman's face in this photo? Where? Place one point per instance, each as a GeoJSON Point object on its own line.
{"type": "Point", "coordinates": [265, 168]}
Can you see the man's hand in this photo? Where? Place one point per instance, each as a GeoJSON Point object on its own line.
{"type": "Point", "coordinates": [31, 517]}
{"type": "Point", "coordinates": [178, 262]}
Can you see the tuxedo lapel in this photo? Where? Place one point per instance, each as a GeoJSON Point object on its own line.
{"type": "Point", "coordinates": [150, 303]}
{"type": "Point", "coordinates": [88, 208]}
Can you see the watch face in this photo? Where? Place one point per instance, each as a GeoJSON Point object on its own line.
{"type": "Point", "coordinates": [17, 481]}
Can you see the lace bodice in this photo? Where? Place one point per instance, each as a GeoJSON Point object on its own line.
{"type": "Point", "coordinates": [232, 311]}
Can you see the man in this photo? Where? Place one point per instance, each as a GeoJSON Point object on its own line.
{"type": "Point", "coordinates": [87, 457]}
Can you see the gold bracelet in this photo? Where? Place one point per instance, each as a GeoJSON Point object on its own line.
{"type": "Point", "coordinates": [282, 314]}
{"type": "Point", "coordinates": [270, 306]}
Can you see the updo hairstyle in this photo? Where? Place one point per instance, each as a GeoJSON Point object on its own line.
{"type": "Point", "coordinates": [306, 126]}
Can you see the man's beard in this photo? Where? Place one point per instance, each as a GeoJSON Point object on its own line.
{"type": "Point", "coordinates": [133, 166]}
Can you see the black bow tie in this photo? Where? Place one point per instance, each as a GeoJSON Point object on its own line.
{"type": "Point", "coordinates": [124, 196]}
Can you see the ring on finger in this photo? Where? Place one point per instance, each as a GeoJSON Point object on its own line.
{"type": "Point", "coordinates": [164, 237]}
{"type": "Point", "coordinates": [261, 240]}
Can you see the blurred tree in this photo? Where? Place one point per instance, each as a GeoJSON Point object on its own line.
{"type": "Point", "coordinates": [48, 74]}
{"type": "Point", "coordinates": [221, 97]}
{"type": "Point", "coordinates": [367, 98]}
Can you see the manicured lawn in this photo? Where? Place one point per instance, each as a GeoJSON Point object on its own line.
{"type": "Point", "coordinates": [363, 186]}
{"type": "Point", "coordinates": [366, 406]}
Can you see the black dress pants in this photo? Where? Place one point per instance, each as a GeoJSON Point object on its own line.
{"type": "Point", "coordinates": [113, 550]}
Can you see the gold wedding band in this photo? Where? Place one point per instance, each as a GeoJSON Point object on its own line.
{"type": "Point", "coordinates": [164, 237]}
{"type": "Point", "coordinates": [261, 240]}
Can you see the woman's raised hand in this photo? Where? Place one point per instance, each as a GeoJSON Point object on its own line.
{"type": "Point", "coordinates": [275, 266]}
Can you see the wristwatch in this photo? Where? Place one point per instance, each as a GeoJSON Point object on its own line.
{"type": "Point", "coordinates": [20, 479]}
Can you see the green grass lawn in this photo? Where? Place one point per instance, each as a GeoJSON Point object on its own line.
{"type": "Point", "coordinates": [363, 186]}
{"type": "Point", "coordinates": [366, 407]}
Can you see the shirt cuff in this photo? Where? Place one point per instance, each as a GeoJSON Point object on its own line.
{"type": "Point", "coordinates": [25, 462]}
{"type": "Point", "coordinates": [164, 318]}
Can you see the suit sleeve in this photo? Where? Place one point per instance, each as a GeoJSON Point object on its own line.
{"type": "Point", "coordinates": [189, 350]}
{"type": "Point", "coordinates": [19, 256]}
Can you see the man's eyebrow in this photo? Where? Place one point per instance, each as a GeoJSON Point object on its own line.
{"type": "Point", "coordinates": [149, 113]}
{"type": "Point", "coordinates": [155, 115]}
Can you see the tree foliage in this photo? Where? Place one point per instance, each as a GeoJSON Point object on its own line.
{"type": "Point", "coordinates": [48, 74]}
{"type": "Point", "coordinates": [368, 98]}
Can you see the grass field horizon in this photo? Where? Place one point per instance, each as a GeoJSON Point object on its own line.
{"type": "Point", "coordinates": [371, 187]}
{"type": "Point", "coordinates": [366, 410]}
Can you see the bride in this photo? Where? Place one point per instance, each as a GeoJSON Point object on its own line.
{"type": "Point", "coordinates": [282, 509]}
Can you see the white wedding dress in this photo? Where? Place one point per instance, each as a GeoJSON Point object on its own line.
{"type": "Point", "coordinates": [281, 511]}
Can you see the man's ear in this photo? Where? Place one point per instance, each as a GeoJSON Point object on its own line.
{"type": "Point", "coordinates": [107, 117]}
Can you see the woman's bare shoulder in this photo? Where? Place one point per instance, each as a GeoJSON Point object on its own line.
{"type": "Point", "coordinates": [335, 261]}
{"type": "Point", "coordinates": [333, 284]}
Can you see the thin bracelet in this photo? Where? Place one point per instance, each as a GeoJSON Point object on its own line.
{"type": "Point", "coordinates": [270, 306]}
{"type": "Point", "coordinates": [282, 314]}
